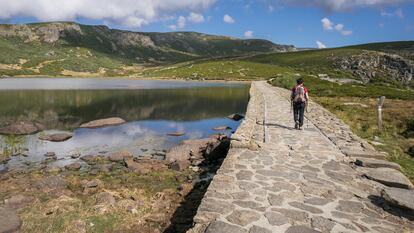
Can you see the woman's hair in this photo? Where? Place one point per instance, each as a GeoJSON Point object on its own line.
{"type": "Point", "coordinates": [299, 81]}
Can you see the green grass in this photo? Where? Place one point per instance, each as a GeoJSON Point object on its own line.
{"type": "Point", "coordinates": [218, 69]}
{"type": "Point", "coordinates": [396, 138]}
{"type": "Point", "coordinates": [323, 88]}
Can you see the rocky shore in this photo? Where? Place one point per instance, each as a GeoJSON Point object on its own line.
{"type": "Point", "coordinates": [103, 192]}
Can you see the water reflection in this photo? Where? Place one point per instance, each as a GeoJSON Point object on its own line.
{"type": "Point", "coordinates": [67, 109]}
{"type": "Point", "coordinates": [151, 114]}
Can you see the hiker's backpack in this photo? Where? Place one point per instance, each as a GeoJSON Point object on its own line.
{"type": "Point", "coordinates": [299, 94]}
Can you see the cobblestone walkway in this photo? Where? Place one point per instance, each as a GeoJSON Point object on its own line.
{"type": "Point", "coordinates": [295, 182]}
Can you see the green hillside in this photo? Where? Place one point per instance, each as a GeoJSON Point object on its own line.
{"type": "Point", "coordinates": [72, 49]}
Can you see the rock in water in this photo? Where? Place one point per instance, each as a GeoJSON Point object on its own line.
{"type": "Point", "coordinates": [73, 167]}
{"type": "Point", "coordinates": [235, 117]}
{"type": "Point", "coordinates": [103, 122]}
{"type": "Point", "coordinates": [9, 220]}
{"type": "Point", "coordinates": [388, 176]}
{"type": "Point", "coordinates": [399, 197]}
{"type": "Point", "coordinates": [176, 134]}
{"type": "Point", "coordinates": [21, 128]}
{"type": "Point", "coordinates": [57, 137]}
{"type": "Point", "coordinates": [222, 128]}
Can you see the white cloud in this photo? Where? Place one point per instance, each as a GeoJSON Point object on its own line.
{"type": "Point", "coordinates": [342, 5]}
{"type": "Point", "coordinates": [248, 34]}
{"type": "Point", "coordinates": [182, 21]}
{"type": "Point", "coordinates": [397, 13]}
{"type": "Point", "coordinates": [339, 27]}
{"type": "Point", "coordinates": [195, 18]}
{"type": "Point", "coordinates": [228, 19]}
{"type": "Point", "coordinates": [130, 13]}
{"type": "Point", "coordinates": [328, 25]}
{"type": "Point", "coordinates": [320, 45]}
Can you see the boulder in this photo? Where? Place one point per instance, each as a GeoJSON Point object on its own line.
{"type": "Point", "coordinates": [103, 122]}
{"type": "Point", "coordinates": [105, 198]}
{"type": "Point", "coordinates": [119, 156]}
{"type": "Point", "coordinates": [399, 197]}
{"type": "Point", "coordinates": [388, 176]}
{"type": "Point", "coordinates": [376, 163]}
{"type": "Point", "coordinates": [144, 166]}
{"type": "Point", "coordinates": [57, 137]}
{"type": "Point", "coordinates": [188, 148]}
{"type": "Point", "coordinates": [180, 165]}
{"type": "Point", "coordinates": [90, 159]}
{"type": "Point", "coordinates": [18, 201]}
{"type": "Point", "coordinates": [91, 186]}
{"type": "Point", "coordinates": [73, 166]}
{"type": "Point", "coordinates": [235, 117]}
{"type": "Point", "coordinates": [52, 184]}
{"type": "Point", "coordinates": [9, 220]}
{"type": "Point", "coordinates": [21, 128]}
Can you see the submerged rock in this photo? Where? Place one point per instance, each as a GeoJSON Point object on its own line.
{"type": "Point", "coordinates": [73, 167]}
{"type": "Point", "coordinates": [57, 137]}
{"type": "Point", "coordinates": [21, 128]}
{"type": "Point", "coordinates": [176, 134]}
{"type": "Point", "coordinates": [103, 122]}
{"type": "Point", "coordinates": [222, 128]}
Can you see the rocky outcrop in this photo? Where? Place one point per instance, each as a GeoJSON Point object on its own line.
{"type": "Point", "coordinates": [44, 32]}
{"type": "Point", "coordinates": [103, 123]}
{"type": "Point", "coordinates": [370, 65]}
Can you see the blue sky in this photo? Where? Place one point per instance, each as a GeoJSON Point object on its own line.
{"type": "Point", "coordinates": [303, 23]}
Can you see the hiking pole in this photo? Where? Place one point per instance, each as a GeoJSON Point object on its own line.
{"type": "Point", "coordinates": [291, 106]}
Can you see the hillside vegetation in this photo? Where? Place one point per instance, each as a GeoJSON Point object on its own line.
{"type": "Point", "coordinates": [72, 49]}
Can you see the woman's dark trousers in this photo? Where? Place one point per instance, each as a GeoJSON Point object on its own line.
{"type": "Point", "coordinates": [298, 112]}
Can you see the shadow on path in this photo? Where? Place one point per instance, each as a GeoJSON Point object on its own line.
{"type": "Point", "coordinates": [396, 211]}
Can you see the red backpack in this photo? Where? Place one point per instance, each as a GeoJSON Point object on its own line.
{"type": "Point", "coordinates": [299, 94]}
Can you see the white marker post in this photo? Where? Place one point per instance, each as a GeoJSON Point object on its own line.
{"type": "Point", "coordinates": [380, 103]}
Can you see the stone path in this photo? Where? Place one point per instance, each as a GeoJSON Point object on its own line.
{"type": "Point", "coordinates": [291, 181]}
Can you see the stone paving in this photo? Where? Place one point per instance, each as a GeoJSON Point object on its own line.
{"type": "Point", "coordinates": [277, 179]}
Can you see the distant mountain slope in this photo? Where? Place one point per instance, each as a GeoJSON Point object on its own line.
{"type": "Point", "coordinates": [389, 63]}
{"type": "Point", "coordinates": [56, 48]}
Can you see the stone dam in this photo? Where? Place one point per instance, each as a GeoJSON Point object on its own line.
{"type": "Point", "coordinates": [321, 179]}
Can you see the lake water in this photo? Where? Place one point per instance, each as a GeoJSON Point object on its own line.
{"type": "Point", "coordinates": [152, 109]}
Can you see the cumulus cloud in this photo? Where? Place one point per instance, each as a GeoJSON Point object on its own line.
{"type": "Point", "coordinates": [191, 18]}
{"type": "Point", "coordinates": [195, 18]}
{"type": "Point", "coordinates": [342, 5]}
{"type": "Point", "coordinates": [130, 13]}
{"type": "Point", "coordinates": [397, 13]}
{"type": "Point", "coordinates": [320, 45]}
{"type": "Point", "coordinates": [228, 19]}
{"type": "Point", "coordinates": [248, 34]}
{"type": "Point", "coordinates": [328, 25]}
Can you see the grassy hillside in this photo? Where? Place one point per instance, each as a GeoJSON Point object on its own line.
{"type": "Point", "coordinates": [81, 50]}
